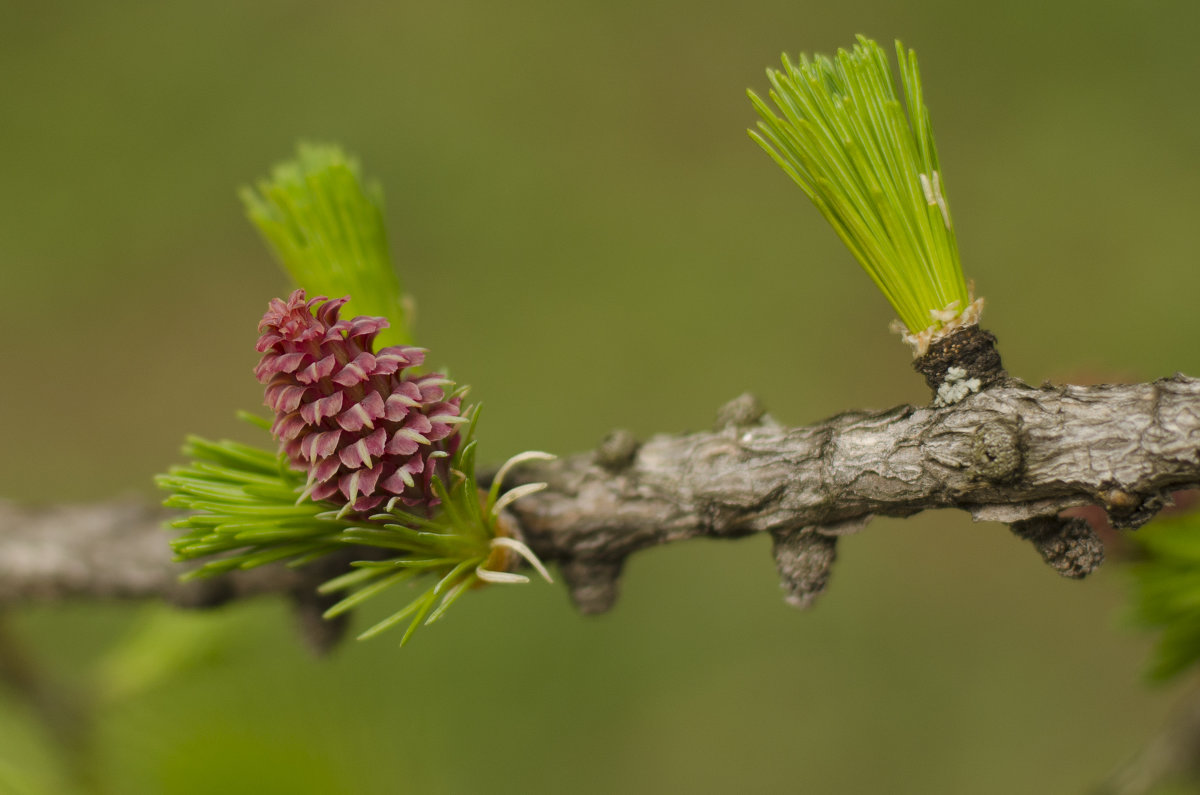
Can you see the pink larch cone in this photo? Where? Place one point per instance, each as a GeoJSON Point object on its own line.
{"type": "Point", "coordinates": [361, 428]}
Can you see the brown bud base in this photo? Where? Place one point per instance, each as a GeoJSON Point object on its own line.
{"type": "Point", "coordinates": [1068, 545]}
{"type": "Point", "coordinates": [970, 348]}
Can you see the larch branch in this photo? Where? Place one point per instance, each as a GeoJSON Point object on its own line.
{"type": "Point", "coordinates": [1010, 453]}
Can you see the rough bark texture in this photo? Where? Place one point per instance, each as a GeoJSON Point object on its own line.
{"type": "Point", "coordinates": [1010, 453]}
{"type": "Point", "coordinates": [117, 550]}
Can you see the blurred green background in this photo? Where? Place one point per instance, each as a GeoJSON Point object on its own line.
{"type": "Point", "coordinates": [594, 243]}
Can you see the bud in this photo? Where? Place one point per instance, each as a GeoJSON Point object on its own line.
{"type": "Point", "coordinates": [362, 428]}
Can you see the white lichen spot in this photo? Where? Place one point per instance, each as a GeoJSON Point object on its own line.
{"type": "Point", "coordinates": [955, 387]}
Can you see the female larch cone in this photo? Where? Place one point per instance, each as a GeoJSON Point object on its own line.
{"type": "Point", "coordinates": [362, 428]}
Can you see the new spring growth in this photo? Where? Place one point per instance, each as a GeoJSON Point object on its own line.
{"type": "Point", "coordinates": [370, 454]}
{"type": "Point", "coordinates": [324, 224]}
{"type": "Point", "coordinates": [359, 422]}
{"type": "Point", "coordinates": [840, 131]}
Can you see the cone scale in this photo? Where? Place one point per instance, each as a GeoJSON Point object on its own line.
{"type": "Point", "coordinates": [358, 422]}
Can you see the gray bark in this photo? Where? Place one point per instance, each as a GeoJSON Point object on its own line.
{"type": "Point", "coordinates": [118, 550]}
{"type": "Point", "coordinates": [1011, 453]}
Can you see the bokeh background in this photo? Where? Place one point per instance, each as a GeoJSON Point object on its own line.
{"type": "Point", "coordinates": [594, 243]}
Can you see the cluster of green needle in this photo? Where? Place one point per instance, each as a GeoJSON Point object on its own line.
{"type": "Point", "coordinates": [245, 506]}
{"type": "Point", "coordinates": [1167, 591]}
{"type": "Point", "coordinates": [243, 512]}
{"type": "Point", "coordinates": [872, 170]}
{"type": "Point", "coordinates": [326, 227]}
